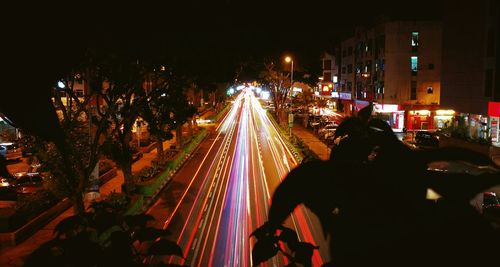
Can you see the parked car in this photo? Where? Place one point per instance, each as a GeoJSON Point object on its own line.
{"type": "Point", "coordinates": [426, 138]}
{"type": "Point", "coordinates": [330, 128]}
{"type": "Point", "coordinates": [6, 182]}
{"type": "Point", "coordinates": [490, 200]}
{"type": "Point", "coordinates": [491, 208]}
{"type": "Point", "coordinates": [10, 151]}
{"type": "Point", "coordinates": [28, 182]}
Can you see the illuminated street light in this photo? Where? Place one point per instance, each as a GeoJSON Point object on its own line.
{"type": "Point", "coordinates": [290, 119]}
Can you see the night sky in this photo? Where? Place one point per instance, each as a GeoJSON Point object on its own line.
{"type": "Point", "coordinates": [209, 39]}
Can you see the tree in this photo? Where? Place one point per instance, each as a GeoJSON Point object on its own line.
{"type": "Point", "coordinates": [81, 142]}
{"type": "Point", "coordinates": [370, 198]}
{"type": "Point", "coordinates": [165, 106]}
{"type": "Point", "coordinates": [122, 91]}
{"type": "Point", "coordinates": [279, 86]}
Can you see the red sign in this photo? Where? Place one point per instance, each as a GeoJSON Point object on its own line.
{"type": "Point", "coordinates": [494, 109]}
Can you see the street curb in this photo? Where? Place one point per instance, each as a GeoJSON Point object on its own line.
{"type": "Point", "coordinates": [32, 226]}
{"type": "Point", "coordinates": [150, 200]}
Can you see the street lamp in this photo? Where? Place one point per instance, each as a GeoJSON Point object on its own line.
{"type": "Point", "coordinates": [289, 59]}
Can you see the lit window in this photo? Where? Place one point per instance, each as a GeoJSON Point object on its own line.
{"type": "Point", "coordinates": [414, 39]}
{"type": "Point", "coordinates": [414, 63]}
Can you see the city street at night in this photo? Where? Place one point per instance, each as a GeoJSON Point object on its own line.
{"type": "Point", "coordinates": [224, 191]}
{"type": "Point", "coordinates": [250, 133]}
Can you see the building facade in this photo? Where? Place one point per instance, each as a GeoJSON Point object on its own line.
{"type": "Point", "coordinates": [397, 66]}
{"type": "Point", "coordinates": [470, 77]}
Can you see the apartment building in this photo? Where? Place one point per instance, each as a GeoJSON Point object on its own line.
{"type": "Point", "coordinates": [397, 66]}
{"type": "Point", "coordinates": [470, 76]}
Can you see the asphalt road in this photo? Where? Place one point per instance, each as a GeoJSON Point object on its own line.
{"type": "Point", "coordinates": [224, 191]}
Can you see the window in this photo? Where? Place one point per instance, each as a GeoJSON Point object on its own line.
{"type": "Point", "coordinates": [349, 86]}
{"type": "Point", "coordinates": [413, 90]}
{"type": "Point", "coordinates": [344, 53]}
{"type": "Point", "coordinates": [430, 90]}
{"type": "Point", "coordinates": [349, 68]}
{"type": "Point", "coordinates": [368, 66]}
{"type": "Point", "coordinates": [343, 69]}
{"type": "Point", "coordinates": [414, 64]}
{"type": "Point", "coordinates": [79, 92]}
{"type": "Point", "coordinates": [359, 66]}
{"type": "Point", "coordinates": [488, 83]}
{"type": "Point", "coordinates": [431, 66]}
{"type": "Point", "coordinates": [349, 51]}
{"type": "Point", "coordinates": [414, 39]}
{"type": "Point", "coordinates": [327, 64]}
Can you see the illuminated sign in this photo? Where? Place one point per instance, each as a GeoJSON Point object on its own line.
{"type": "Point", "coordinates": [345, 95]}
{"type": "Point", "coordinates": [386, 108]}
{"type": "Point", "coordinates": [335, 94]}
{"type": "Point", "coordinates": [494, 129]}
{"type": "Point", "coordinates": [445, 112]}
{"type": "Point", "coordinates": [494, 109]}
{"type": "Point", "coordinates": [420, 112]}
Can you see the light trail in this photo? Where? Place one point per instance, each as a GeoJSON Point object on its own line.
{"type": "Point", "coordinates": [230, 193]}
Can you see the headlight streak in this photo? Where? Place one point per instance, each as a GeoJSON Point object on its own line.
{"type": "Point", "coordinates": [234, 196]}
{"type": "Point", "coordinates": [298, 217]}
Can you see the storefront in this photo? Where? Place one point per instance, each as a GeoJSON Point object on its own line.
{"type": "Point", "coordinates": [391, 114]}
{"type": "Point", "coordinates": [420, 120]}
{"type": "Point", "coordinates": [494, 113]}
{"type": "Point", "coordinates": [346, 103]}
{"type": "Point", "coordinates": [443, 118]}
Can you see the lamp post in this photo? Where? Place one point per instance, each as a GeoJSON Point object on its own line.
{"type": "Point", "coordinates": [289, 59]}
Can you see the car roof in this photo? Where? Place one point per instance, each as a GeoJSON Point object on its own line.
{"type": "Point", "coordinates": [6, 143]}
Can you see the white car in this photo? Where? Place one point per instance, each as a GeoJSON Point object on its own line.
{"type": "Point", "coordinates": [10, 151]}
{"type": "Point", "coordinates": [329, 128]}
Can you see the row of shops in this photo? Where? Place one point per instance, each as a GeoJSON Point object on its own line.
{"type": "Point", "coordinates": [424, 117]}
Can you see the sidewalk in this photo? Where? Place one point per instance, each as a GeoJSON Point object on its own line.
{"type": "Point", "coordinates": [311, 141]}
{"type": "Point", "coordinates": [14, 256]}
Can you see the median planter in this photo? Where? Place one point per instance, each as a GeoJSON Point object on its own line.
{"type": "Point", "coordinates": [16, 226]}
{"type": "Point", "coordinates": [27, 229]}
{"type": "Point", "coordinates": [150, 188]}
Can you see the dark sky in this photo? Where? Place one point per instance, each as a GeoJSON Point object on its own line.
{"type": "Point", "coordinates": [210, 37]}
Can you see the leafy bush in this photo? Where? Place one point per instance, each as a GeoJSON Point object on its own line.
{"type": "Point", "coordinates": [105, 237]}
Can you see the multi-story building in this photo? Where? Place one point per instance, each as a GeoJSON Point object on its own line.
{"type": "Point", "coordinates": [346, 93]}
{"type": "Point", "coordinates": [396, 65]}
{"type": "Point", "coordinates": [470, 76]}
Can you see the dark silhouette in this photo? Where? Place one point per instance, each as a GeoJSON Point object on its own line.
{"type": "Point", "coordinates": [105, 237]}
{"type": "Point", "coordinates": [370, 197]}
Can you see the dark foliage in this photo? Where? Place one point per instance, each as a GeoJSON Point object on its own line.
{"type": "Point", "coordinates": [104, 237]}
{"type": "Point", "coordinates": [370, 197]}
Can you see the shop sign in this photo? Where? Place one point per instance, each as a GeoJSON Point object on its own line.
{"type": "Point", "coordinates": [345, 95]}
{"type": "Point", "coordinates": [386, 108]}
{"type": "Point", "coordinates": [494, 109]}
{"type": "Point", "coordinates": [494, 129]}
{"type": "Point", "coordinates": [361, 104]}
